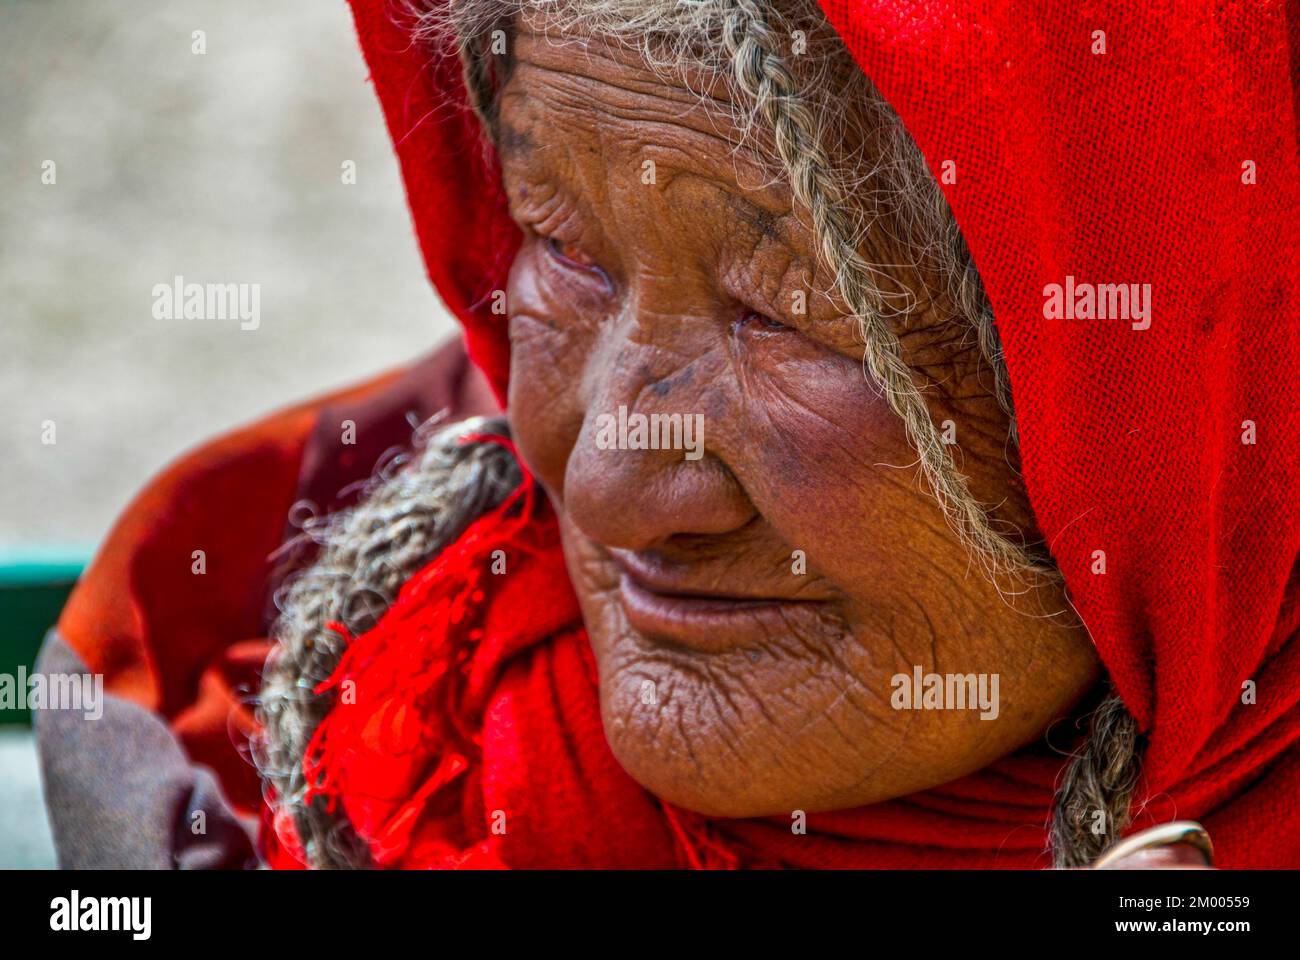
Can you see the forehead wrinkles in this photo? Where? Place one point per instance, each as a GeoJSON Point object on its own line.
{"type": "Point", "coordinates": [606, 94]}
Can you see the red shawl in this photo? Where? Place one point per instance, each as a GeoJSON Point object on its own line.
{"type": "Point", "coordinates": [1140, 144]}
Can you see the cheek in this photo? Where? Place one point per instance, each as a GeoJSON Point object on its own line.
{"type": "Point", "coordinates": [827, 464]}
{"type": "Point", "coordinates": [546, 371]}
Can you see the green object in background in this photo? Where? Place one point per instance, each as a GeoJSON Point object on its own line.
{"type": "Point", "coordinates": [31, 597]}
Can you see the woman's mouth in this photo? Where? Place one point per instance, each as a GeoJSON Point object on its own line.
{"type": "Point", "coordinates": [671, 608]}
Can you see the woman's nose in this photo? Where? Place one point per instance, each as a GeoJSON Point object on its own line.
{"type": "Point", "coordinates": [642, 470]}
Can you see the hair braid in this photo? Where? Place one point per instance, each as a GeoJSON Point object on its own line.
{"type": "Point", "coordinates": [1096, 788]}
{"type": "Point", "coordinates": [411, 511]}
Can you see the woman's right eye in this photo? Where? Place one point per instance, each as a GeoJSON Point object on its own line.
{"type": "Point", "coordinates": [761, 322]}
{"type": "Point", "coordinates": [570, 253]}
{"type": "Point", "coordinates": [572, 256]}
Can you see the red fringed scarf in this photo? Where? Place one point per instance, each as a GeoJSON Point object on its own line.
{"type": "Point", "coordinates": [473, 699]}
{"type": "Point", "coordinates": [1162, 152]}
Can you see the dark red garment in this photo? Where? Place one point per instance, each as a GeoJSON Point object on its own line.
{"type": "Point", "coordinates": [1123, 166]}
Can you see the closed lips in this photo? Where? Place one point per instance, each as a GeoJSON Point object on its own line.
{"type": "Point", "coordinates": [669, 608]}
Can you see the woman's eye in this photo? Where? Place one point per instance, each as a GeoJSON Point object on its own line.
{"type": "Point", "coordinates": [761, 321]}
{"type": "Point", "coordinates": [571, 255]}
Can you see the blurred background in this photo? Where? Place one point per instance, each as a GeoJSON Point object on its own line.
{"type": "Point", "coordinates": [222, 167]}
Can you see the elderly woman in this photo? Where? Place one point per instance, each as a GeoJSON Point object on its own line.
{"type": "Point", "coordinates": [817, 531]}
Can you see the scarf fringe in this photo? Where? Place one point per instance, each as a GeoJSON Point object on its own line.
{"type": "Point", "coordinates": [400, 689]}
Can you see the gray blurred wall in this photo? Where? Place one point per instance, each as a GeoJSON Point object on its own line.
{"type": "Point", "coordinates": [223, 167]}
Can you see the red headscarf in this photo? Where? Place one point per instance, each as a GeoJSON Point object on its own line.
{"type": "Point", "coordinates": [1143, 144]}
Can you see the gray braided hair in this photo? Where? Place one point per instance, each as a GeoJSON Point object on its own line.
{"type": "Point", "coordinates": [413, 507]}
{"type": "Point", "coordinates": [1096, 788]}
{"type": "Point", "coordinates": [369, 551]}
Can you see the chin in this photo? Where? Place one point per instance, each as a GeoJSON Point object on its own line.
{"type": "Point", "coordinates": [681, 728]}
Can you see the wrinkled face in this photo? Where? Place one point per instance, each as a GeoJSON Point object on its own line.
{"type": "Point", "coordinates": [760, 595]}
